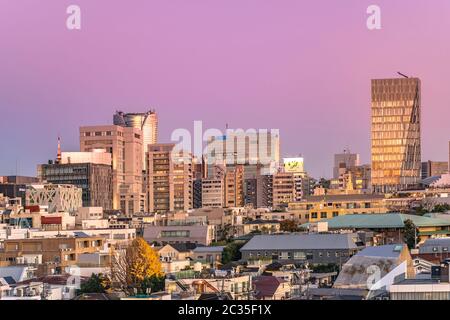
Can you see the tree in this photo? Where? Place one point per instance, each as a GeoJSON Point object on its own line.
{"type": "Point", "coordinates": [135, 266]}
{"type": "Point", "coordinates": [97, 283]}
{"type": "Point", "coordinates": [289, 226]}
{"type": "Point", "coordinates": [410, 234]}
{"type": "Point", "coordinates": [231, 252]}
{"type": "Point", "coordinates": [440, 208]}
{"type": "Point", "coordinates": [154, 283]}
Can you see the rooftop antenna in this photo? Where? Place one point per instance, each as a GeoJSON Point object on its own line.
{"type": "Point", "coordinates": [58, 156]}
{"type": "Point", "coordinates": [403, 75]}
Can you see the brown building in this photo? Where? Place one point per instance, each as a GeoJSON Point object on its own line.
{"type": "Point", "coordinates": [125, 145]}
{"type": "Point", "coordinates": [434, 168]}
{"type": "Point", "coordinates": [234, 187]}
{"type": "Point", "coordinates": [169, 179]}
{"type": "Point", "coordinates": [56, 253]}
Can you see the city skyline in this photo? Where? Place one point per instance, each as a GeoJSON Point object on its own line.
{"type": "Point", "coordinates": [54, 90]}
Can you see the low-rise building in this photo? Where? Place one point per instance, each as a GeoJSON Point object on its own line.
{"type": "Point", "coordinates": [199, 234]}
{"type": "Point", "coordinates": [263, 226]}
{"type": "Point", "coordinates": [57, 197]}
{"type": "Point", "coordinates": [329, 206]}
{"type": "Point", "coordinates": [210, 255]}
{"type": "Point", "coordinates": [389, 227]}
{"type": "Point", "coordinates": [51, 253]}
{"type": "Point", "coordinates": [306, 248]}
{"type": "Point", "coordinates": [271, 288]}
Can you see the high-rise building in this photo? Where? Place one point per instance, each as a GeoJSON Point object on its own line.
{"type": "Point", "coordinates": [264, 187]}
{"type": "Point", "coordinates": [234, 187]}
{"type": "Point", "coordinates": [396, 143]}
{"type": "Point", "coordinates": [434, 168]}
{"type": "Point", "coordinates": [283, 189]}
{"type": "Point", "coordinates": [125, 145]}
{"type": "Point", "coordinates": [213, 193]}
{"type": "Point", "coordinates": [94, 179]}
{"type": "Point", "coordinates": [147, 122]}
{"type": "Point", "coordinates": [255, 150]}
{"type": "Point", "coordinates": [169, 179]}
{"type": "Point", "coordinates": [344, 161]}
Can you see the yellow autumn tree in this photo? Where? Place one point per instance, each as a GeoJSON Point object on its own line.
{"type": "Point", "coordinates": [138, 263]}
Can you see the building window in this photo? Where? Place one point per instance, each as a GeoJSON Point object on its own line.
{"type": "Point", "coordinates": [323, 215]}
{"type": "Point", "coordinates": [313, 215]}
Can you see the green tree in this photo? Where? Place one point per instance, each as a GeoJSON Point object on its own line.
{"type": "Point", "coordinates": [97, 283]}
{"type": "Point", "coordinates": [289, 226]}
{"type": "Point", "coordinates": [439, 208]}
{"type": "Point", "coordinates": [410, 234]}
{"type": "Point", "coordinates": [231, 252]}
{"type": "Point", "coordinates": [154, 283]}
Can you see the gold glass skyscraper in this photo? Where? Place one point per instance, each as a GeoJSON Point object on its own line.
{"type": "Point", "coordinates": [395, 134]}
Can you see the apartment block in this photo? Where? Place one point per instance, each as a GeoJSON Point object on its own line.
{"type": "Point", "coordinates": [169, 179]}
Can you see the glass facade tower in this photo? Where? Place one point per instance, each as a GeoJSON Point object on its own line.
{"type": "Point", "coordinates": [396, 154]}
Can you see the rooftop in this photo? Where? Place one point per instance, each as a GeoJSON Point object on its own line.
{"type": "Point", "coordinates": [380, 221]}
{"type": "Point", "coordinates": [301, 242]}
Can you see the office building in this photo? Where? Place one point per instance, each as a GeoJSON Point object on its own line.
{"type": "Point", "coordinates": [434, 168]}
{"type": "Point", "coordinates": [95, 181]}
{"type": "Point", "coordinates": [254, 150]}
{"type": "Point", "coordinates": [344, 161]}
{"type": "Point", "coordinates": [125, 145]}
{"type": "Point", "coordinates": [396, 140]}
{"type": "Point", "coordinates": [15, 186]}
{"type": "Point", "coordinates": [58, 198]}
{"type": "Point", "coordinates": [147, 122]}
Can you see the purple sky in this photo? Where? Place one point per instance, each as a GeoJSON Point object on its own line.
{"type": "Point", "coordinates": [301, 66]}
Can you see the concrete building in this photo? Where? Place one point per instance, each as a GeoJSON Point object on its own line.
{"type": "Point", "coordinates": [254, 150]}
{"type": "Point", "coordinates": [389, 227]}
{"type": "Point", "coordinates": [355, 179]}
{"type": "Point", "coordinates": [147, 122]}
{"type": "Point", "coordinates": [370, 274]}
{"type": "Point", "coordinates": [58, 198]}
{"type": "Point", "coordinates": [283, 189]}
{"type": "Point", "coordinates": [311, 248]}
{"type": "Point", "coordinates": [234, 187]}
{"type": "Point", "coordinates": [15, 186]}
{"type": "Point", "coordinates": [434, 168]}
{"type": "Point", "coordinates": [263, 226]}
{"type": "Point", "coordinates": [396, 139]}
{"type": "Point", "coordinates": [190, 233]}
{"type": "Point", "coordinates": [95, 181]}
{"type": "Point", "coordinates": [264, 187]}
{"type": "Point", "coordinates": [330, 206]}
{"type": "Point", "coordinates": [126, 147]}
{"type": "Point", "coordinates": [169, 179]}
{"type": "Point", "coordinates": [213, 191]}
{"type": "Point", "coordinates": [56, 252]}
{"type": "Point", "coordinates": [343, 162]}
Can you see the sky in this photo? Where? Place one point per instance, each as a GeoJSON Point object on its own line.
{"type": "Point", "coordinates": [303, 67]}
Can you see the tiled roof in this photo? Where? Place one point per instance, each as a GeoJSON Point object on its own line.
{"type": "Point", "coordinates": [266, 286]}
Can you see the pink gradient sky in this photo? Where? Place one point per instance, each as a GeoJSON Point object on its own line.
{"type": "Point", "coordinates": [301, 66]}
